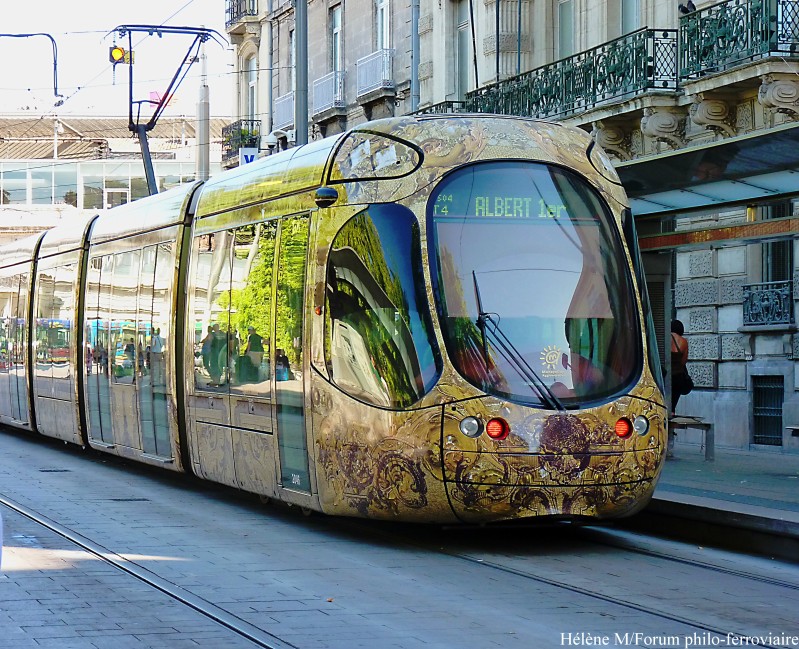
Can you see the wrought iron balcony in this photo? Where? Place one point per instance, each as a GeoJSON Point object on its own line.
{"type": "Point", "coordinates": [328, 93]}
{"type": "Point", "coordinates": [733, 32]}
{"type": "Point", "coordinates": [769, 303]}
{"type": "Point", "coordinates": [246, 133]}
{"type": "Point", "coordinates": [238, 9]}
{"type": "Point", "coordinates": [375, 73]}
{"type": "Point", "coordinates": [624, 67]}
{"type": "Point", "coordinates": [283, 115]}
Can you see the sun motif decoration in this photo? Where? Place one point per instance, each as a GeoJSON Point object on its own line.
{"type": "Point", "coordinates": [550, 356]}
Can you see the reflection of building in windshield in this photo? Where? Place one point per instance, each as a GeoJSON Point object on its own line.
{"type": "Point", "coordinates": [590, 322]}
{"type": "Point", "coordinates": [373, 349]}
{"type": "Point", "coordinates": [354, 367]}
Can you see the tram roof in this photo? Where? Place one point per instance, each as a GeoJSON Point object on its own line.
{"type": "Point", "coordinates": [65, 238]}
{"type": "Point", "coordinates": [144, 215]}
{"type": "Point", "coordinates": [287, 172]}
{"type": "Point", "coordinates": [737, 171]}
{"type": "Point", "coordinates": [20, 251]}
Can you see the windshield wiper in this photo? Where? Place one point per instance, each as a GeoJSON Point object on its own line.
{"type": "Point", "coordinates": [510, 353]}
{"type": "Point", "coordinates": [481, 318]}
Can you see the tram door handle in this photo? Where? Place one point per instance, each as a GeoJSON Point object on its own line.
{"type": "Point", "coordinates": [250, 406]}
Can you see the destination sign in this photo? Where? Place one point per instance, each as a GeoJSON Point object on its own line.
{"type": "Point", "coordinates": [509, 207]}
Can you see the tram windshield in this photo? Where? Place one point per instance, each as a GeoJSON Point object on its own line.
{"type": "Point", "coordinates": [533, 285]}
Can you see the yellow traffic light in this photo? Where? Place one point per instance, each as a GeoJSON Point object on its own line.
{"type": "Point", "coordinates": [117, 54]}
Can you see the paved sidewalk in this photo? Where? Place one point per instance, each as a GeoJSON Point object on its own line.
{"type": "Point", "coordinates": [757, 490]}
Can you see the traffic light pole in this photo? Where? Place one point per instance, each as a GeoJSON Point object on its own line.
{"type": "Point", "coordinates": [136, 126]}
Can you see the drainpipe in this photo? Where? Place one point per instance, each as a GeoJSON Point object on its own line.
{"type": "Point", "coordinates": [415, 52]}
{"type": "Point", "coordinates": [270, 100]}
{"type": "Point", "coordinates": [301, 92]}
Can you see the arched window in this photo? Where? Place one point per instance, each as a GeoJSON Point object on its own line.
{"type": "Point", "coordinates": [630, 16]}
{"type": "Point", "coordinates": [251, 67]}
{"type": "Point", "coordinates": [336, 46]}
{"type": "Point", "coordinates": [382, 25]}
{"type": "Point", "coordinates": [565, 28]}
{"type": "Point", "coordinates": [463, 53]}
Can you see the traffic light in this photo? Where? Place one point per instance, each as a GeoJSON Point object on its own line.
{"type": "Point", "coordinates": [118, 54]}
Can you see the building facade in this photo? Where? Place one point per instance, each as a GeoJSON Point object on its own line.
{"type": "Point", "coordinates": [696, 103]}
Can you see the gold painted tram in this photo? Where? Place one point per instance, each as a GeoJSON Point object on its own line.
{"type": "Point", "coordinates": [425, 318]}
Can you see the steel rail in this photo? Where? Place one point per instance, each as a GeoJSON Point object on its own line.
{"type": "Point", "coordinates": [240, 627]}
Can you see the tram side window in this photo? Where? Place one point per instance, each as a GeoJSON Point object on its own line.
{"type": "Point", "coordinates": [379, 344]}
{"type": "Point", "coordinates": [63, 314]}
{"type": "Point", "coordinates": [123, 351]}
{"type": "Point", "coordinates": [251, 308]}
{"type": "Point", "coordinates": [45, 297]}
{"type": "Point", "coordinates": [211, 306]}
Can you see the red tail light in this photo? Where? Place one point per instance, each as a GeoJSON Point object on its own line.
{"type": "Point", "coordinates": [497, 428]}
{"type": "Point", "coordinates": [624, 428]}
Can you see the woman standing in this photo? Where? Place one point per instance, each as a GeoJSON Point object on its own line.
{"type": "Point", "coordinates": [680, 380]}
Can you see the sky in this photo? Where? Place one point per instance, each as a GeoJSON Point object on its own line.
{"type": "Point", "coordinates": [83, 33]}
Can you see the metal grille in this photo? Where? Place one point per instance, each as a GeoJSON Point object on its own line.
{"type": "Point", "coordinates": [657, 302]}
{"type": "Point", "coordinates": [767, 397]}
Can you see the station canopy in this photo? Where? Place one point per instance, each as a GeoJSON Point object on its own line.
{"type": "Point", "coordinates": [748, 169]}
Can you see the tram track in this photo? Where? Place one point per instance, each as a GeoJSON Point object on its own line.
{"type": "Point", "coordinates": [670, 617]}
{"type": "Point", "coordinates": [257, 636]}
{"type": "Point", "coordinates": [611, 538]}
{"type": "Point", "coordinates": [607, 538]}
{"type": "Point", "coordinates": [522, 546]}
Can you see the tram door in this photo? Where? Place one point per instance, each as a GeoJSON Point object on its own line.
{"type": "Point", "coordinates": [153, 343]}
{"type": "Point", "coordinates": [123, 354]}
{"type": "Point", "coordinates": [209, 394]}
{"type": "Point", "coordinates": [12, 386]}
{"type": "Point", "coordinates": [288, 354]}
{"type": "Point", "coordinates": [96, 333]}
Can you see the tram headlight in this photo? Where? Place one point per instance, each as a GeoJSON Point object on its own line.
{"type": "Point", "coordinates": [641, 425]}
{"type": "Point", "coordinates": [497, 428]}
{"type": "Point", "coordinates": [471, 427]}
{"type": "Point", "coordinates": [624, 428]}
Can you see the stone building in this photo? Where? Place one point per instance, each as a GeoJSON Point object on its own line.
{"type": "Point", "coordinates": [697, 103]}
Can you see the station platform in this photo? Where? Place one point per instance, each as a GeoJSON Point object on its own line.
{"type": "Point", "coordinates": [745, 490]}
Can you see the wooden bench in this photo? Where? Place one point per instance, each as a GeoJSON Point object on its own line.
{"type": "Point", "coordinates": [684, 422]}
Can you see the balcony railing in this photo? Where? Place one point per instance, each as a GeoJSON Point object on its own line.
{"type": "Point", "coordinates": [769, 303]}
{"type": "Point", "coordinates": [733, 32]}
{"type": "Point", "coordinates": [328, 92]}
{"type": "Point", "coordinates": [238, 9]}
{"type": "Point", "coordinates": [375, 72]}
{"type": "Point", "coordinates": [246, 133]}
{"type": "Point", "coordinates": [640, 61]}
{"type": "Point", "coordinates": [283, 116]}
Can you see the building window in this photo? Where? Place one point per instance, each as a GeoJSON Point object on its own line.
{"type": "Point", "coordinates": [777, 256]}
{"type": "Point", "coordinates": [252, 87]}
{"type": "Point", "coordinates": [630, 16]}
{"type": "Point", "coordinates": [382, 25]}
{"type": "Point", "coordinates": [768, 394]}
{"type": "Point", "coordinates": [565, 28]}
{"type": "Point", "coordinates": [462, 54]}
{"type": "Point", "coordinates": [336, 54]}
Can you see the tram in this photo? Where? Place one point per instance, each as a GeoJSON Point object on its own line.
{"type": "Point", "coordinates": [432, 318]}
